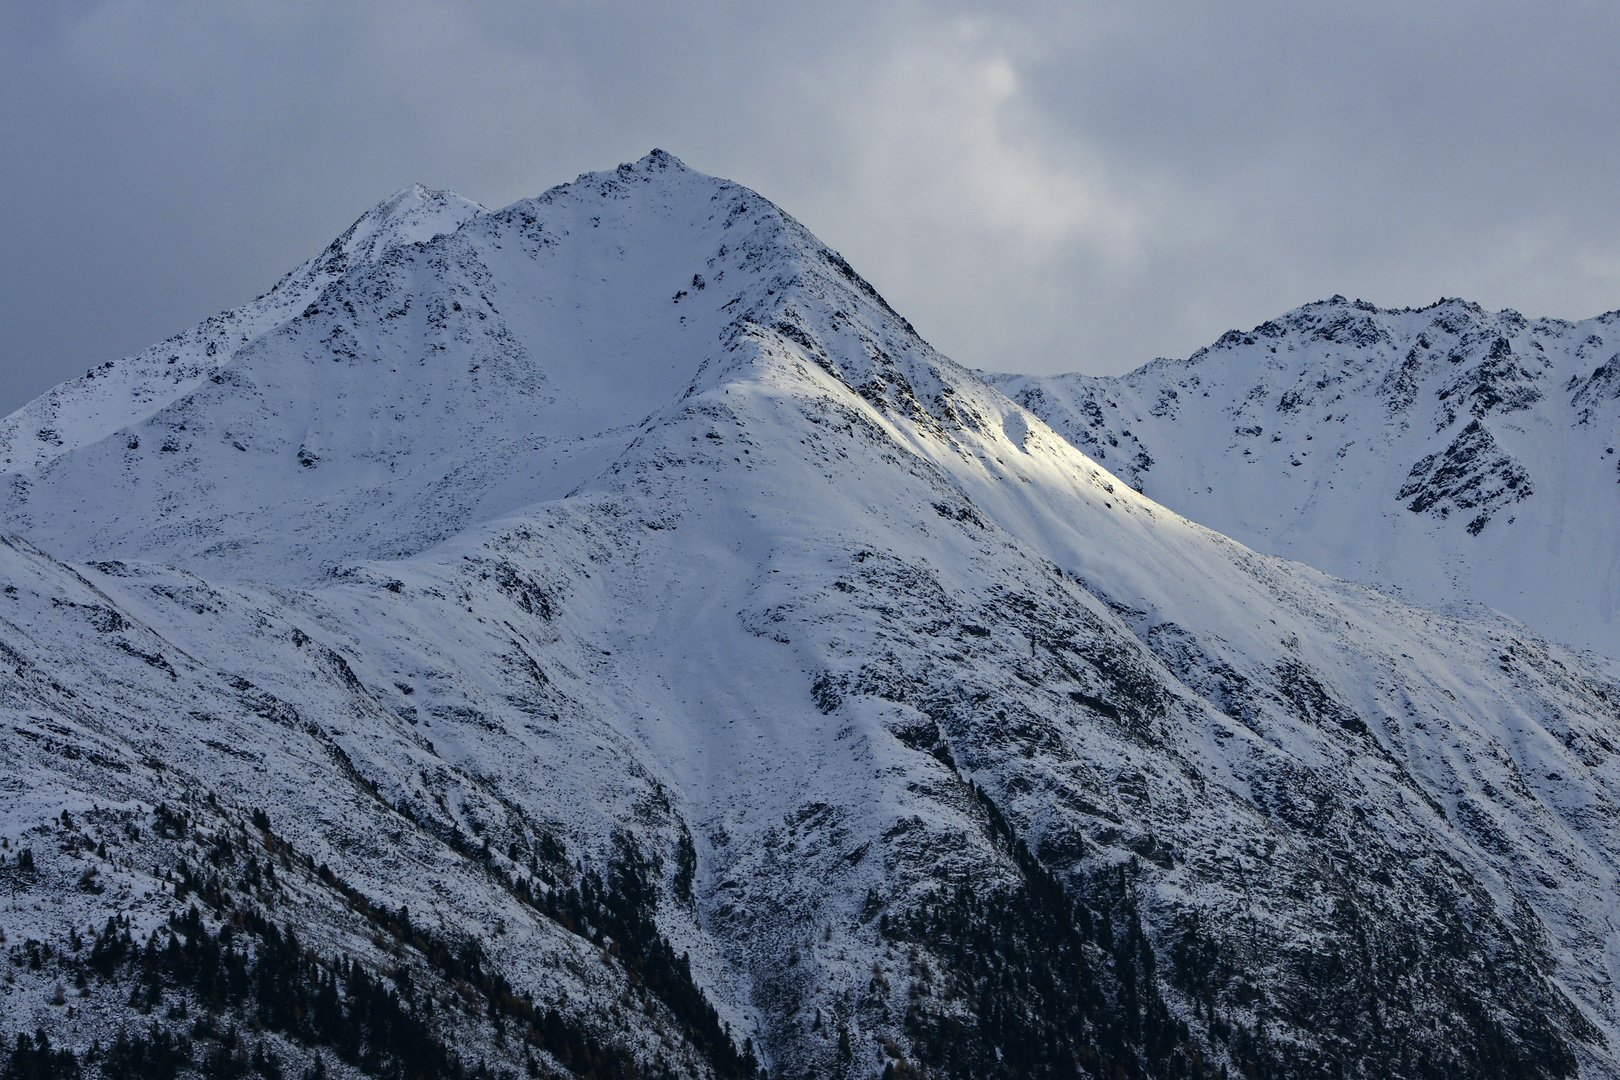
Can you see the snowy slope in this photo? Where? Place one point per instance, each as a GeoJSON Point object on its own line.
{"type": "Point", "coordinates": [623, 548]}
{"type": "Point", "coordinates": [122, 392]}
{"type": "Point", "coordinates": [1449, 453]}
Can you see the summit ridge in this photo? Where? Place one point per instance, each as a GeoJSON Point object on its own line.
{"type": "Point", "coordinates": [1449, 453]}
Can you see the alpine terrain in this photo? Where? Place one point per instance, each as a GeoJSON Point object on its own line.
{"type": "Point", "coordinates": [599, 638]}
{"type": "Point", "coordinates": [1448, 454]}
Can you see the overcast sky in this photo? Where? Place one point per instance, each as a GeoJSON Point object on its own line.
{"type": "Point", "coordinates": [1037, 186]}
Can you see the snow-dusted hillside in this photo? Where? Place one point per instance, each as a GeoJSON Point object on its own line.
{"type": "Point", "coordinates": [606, 628]}
{"type": "Point", "coordinates": [1449, 453]}
{"type": "Point", "coordinates": [123, 392]}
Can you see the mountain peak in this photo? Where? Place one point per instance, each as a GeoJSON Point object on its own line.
{"type": "Point", "coordinates": [656, 160]}
{"type": "Point", "coordinates": [129, 390]}
{"type": "Point", "coordinates": [413, 214]}
{"type": "Point", "coordinates": [431, 339]}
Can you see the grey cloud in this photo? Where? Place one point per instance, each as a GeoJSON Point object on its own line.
{"type": "Point", "coordinates": [1039, 186]}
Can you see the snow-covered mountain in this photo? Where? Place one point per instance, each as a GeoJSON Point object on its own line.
{"type": "Point", "coordinates": [598, 637]}
{"type": "Point", "coordinates": [1448, 453]}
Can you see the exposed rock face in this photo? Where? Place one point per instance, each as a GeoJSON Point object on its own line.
{"type": "Point", "coordinates": [1448, 453]}
{"type": "Point", "coordinates": [601, 638]}
{"type": "Point", "coordinates": [1473, 473]}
